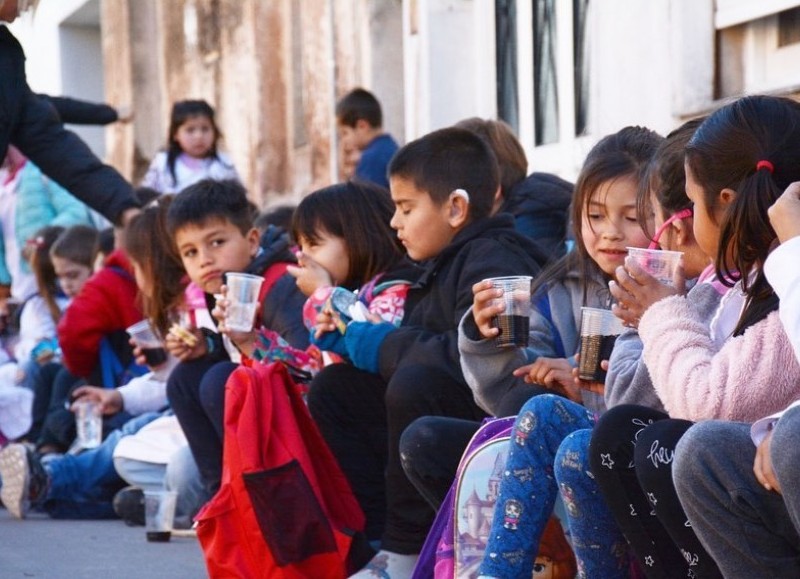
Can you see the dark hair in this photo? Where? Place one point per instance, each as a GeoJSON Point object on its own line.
{"type": "Point", "coordinates": [626, 153]}
{"type": "Point", "coordinates": [280, 216]}
{"type": "Point", "coordinates": [449, 159]}
{"type": "Point", "coordinates": [723, 154]}
{"type": "Point", "coordinates": [42, 267]}
{"type": "Point", "coordinates": [105, 241]}
{"type": "Point", "coordinates": [77, 244]}
{"type": "Point", "coordinates": [359, 104]}
{"type": "Point", "coordinates": [182, 111]}
{"type": "Point", "coordinates": [210, 200]}
{"type": "Point", "coordinates": [666, 176]}
{"type": "Point", "coordinates": [511, 159]}
{"type": "Point", "coordinates": [359, 213]}
{"type": "Point", "coordinates": [148, 243]}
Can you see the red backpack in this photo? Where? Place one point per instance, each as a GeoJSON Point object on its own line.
{"type": "Point", "coordinates": [284, 508]}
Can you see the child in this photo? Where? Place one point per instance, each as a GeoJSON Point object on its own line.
{"type": "Point", "coordinates": [443, 186]}
{"type": "Point", "coordinates": [360, 122]}
{"type": "Point", "coordinates": [213, 232]}
{"type": "Point", "coordinates": [539, 202]}
{"type": "Point", "coordinates": [82, 486]}
{"type": "Point", "coordinates": [709, 356]}
{"type": "Point", "coordinates": [757, 536]}
{"type": "Point", "coordinates": [605, 220]}
{"type": "Point", "coordinates": [191, 153]}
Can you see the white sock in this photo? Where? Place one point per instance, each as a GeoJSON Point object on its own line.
{"type": "Point", "coordinates": [388, 565]}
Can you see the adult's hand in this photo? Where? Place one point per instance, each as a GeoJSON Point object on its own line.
{"type": "Point", "coordinates": [784, 215]}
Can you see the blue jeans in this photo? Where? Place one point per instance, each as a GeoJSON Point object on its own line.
{"type": "Point", "coordinates": [82, 486]}
{"type": "Point", "coordinates": [748, 530]}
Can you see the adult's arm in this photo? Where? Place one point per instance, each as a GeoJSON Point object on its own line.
{"type": "Point", "coordinates": [78, 112]}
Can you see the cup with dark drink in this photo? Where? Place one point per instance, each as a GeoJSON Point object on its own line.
{"type": "Point", "coordinates": [514, 323]}
{"type": "Point", "coordinates": [149, 343]}
{"type": "Point", "coordinates": [159, 515]}
{"type": "Point", "coordinates": [599, 331]}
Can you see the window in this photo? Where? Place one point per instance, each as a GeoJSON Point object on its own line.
{"type": "Point", "coordinates": [789, 27]}
{"type": "Point", "coordinates": [505, 19]}
{"type": "Point", "coordinates": [581, 54]}
{"type": "Point", "coordinates": [545, 79]}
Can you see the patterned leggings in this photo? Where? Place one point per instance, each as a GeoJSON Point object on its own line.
{"type": "Point", "coordinates": [547, 455]}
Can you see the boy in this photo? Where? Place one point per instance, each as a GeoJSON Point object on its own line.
{"type": "Point", "coordinates": [360, 120]}
{"type": "Point", "coordinates": [443, 186]}
{"type": "Point", "coordinates": [212, 224]}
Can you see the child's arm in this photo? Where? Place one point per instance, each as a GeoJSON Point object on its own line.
{"type": "Point", "coordinates": [628, 380]}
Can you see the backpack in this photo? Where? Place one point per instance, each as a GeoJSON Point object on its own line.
{"type": "Point", "coordinates": [284, 508]}
{"type": "Point", "coordinates": [456, 542]}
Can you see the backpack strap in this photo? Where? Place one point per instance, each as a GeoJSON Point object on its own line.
{"type": "Point", "coordinates": [542, 305]}
{"type": "Point", "coordinates": [271, 275]}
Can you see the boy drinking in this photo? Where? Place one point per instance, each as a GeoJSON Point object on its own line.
{"type": "Point", "coordinates": [360, 119]}
{"type": "Point", "coordinates": [212, 225]}
{"type": "Point", "coordinates": [443, 186]}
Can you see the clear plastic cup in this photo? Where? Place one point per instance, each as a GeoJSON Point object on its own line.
{"type": "Point", "coordinates": [151, 345]}
{"type": "Point", "coordinates": [659, 263]}
{"type": "Point", "coordinates": [159, 515]}
{"type": "Point", "coordinates": [243, 290]}
{"type": "Point", "coordinates": [599, 331]}
{"type": "Point", "coordinates": [514, 323]}
{"type": "Point", "coordinates": [89, 423]}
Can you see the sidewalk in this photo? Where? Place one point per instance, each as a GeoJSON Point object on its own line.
{"type": "Point", "coordinates": [44, 548]}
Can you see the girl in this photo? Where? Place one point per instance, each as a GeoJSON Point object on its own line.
{"type": "Point", "coordinates": [605, 218]}
{"type": "Point", "coordinates": [191, 153]}
{"type": "Point", "coordinates": [709, 356]}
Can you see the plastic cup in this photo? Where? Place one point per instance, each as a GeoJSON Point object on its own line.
{"type": "Point", "coordinates": [599, 331]}
{"type": "Point", "coordinates": [659, 263]}
{"type": "Point", "coordinates": [243, 290]}
{"type": "Point", "coordinates": [159, 514]}
{"type": "Point", "coordinates": [150, 344]}
{"type": "Point", "coordinates": [89, 423]}
{"type": "Point", "coordinates": [514, 323]}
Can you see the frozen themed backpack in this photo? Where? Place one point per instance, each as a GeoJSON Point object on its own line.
{"type": "Point", "coordinates": [457, 540]}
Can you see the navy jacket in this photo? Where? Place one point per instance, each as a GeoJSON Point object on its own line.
{"type": "Point", "coordinates": [32, 124]}
{"type": "Point", "coordinates": [428, 335]}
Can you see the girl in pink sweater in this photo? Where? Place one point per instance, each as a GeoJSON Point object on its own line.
{"type": "Point", "coordinates": [709, 356]}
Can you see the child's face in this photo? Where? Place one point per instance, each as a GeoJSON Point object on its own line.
{"type": "Point", "coordinates": [706, 231]}
{"type": "Point", "coordinates": [610, 225]}
{"type": "Point", "coordinates": [357, 137]}
{"type": "Point", "coordinates": [423, 227]}
{"type": "Point", "coordinates": [196, 136]}
{"type": "Point", "coordinates": [71, 276]}
{"type": "Point", "coordinates": [210, 249]}
{"type": "Point", "coordinates": [329, 252]}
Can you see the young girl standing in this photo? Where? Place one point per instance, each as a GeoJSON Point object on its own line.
{"type": "Point", "coordinates": [709, 356]}
{"type": "Point", "coordinates": [191, 153]}
{"type": "Point", "coordinates": [539, 459]}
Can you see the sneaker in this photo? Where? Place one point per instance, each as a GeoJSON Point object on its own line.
{"type": "Point", "coordinates": [129, 506]}
{"type": "Point", "coordinates": [25, 482]}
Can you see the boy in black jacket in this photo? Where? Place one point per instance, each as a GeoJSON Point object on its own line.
{"type": "Point", "coordinates": [212, 225]}
{"type": "Point", "coordinates": [443, 186]}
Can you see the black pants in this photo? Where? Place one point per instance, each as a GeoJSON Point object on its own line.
{"type": "Point", "coordinates": [362, 418]}
{"type": "Point", "coordinates": [631, 457]}
{"type": "Point", "coordinates": [431, 447]}
{"type": "Point", "coordinates": [196, 392]}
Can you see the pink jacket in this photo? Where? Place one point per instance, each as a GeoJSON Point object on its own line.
{"type": "Point", "coordinates": [751, 376]}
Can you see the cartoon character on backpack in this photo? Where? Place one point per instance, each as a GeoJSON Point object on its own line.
{"type": "Point", "coordinates": [527, 423]}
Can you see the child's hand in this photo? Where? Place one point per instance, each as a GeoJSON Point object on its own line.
{"type": "Point", "coordinates": [108, 400]}
{"type": "Point", "coordinates": [309, 274]}
{"type": "Point", "coordinates": [244, 341]}
{"type": "Point", "coordinates": [486, 306]}
{"type": "Point", "coordinates": [762, 466]}
{"type": "Point", "coordinates": [552, 373]}
{"type": "Point", "coordinates": [177, 344]}
{"type": "Point", "coordinates": [636, 290]}
{"type": "Point", "coordinates": [596, 387]}
{"type": "Point", "coordinates": [325, 323]}
{"type": "Point", "coordinates": [784, 215]}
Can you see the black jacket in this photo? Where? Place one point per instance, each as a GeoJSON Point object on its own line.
{"type": "Point", "coordinates": [79, 112]}
{"type": "Point", "coordinates": [428, 335]}
{"type": "Point", "coordinates": [32, 124]}
{"type": "Point", "coordinates": [540, 206]}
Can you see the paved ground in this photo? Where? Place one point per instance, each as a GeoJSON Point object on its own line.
{"type": "Point", "coordinates": [46, 549]}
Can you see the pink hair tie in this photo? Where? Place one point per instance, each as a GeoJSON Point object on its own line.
{"type": "Point", "coordinates": [763, 164]}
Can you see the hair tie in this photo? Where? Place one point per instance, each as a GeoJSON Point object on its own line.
{"type": "Point", "coordinates": [764, 164]}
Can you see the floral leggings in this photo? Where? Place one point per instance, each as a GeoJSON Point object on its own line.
{"type": "Point", "coordinates": [548, 454]}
